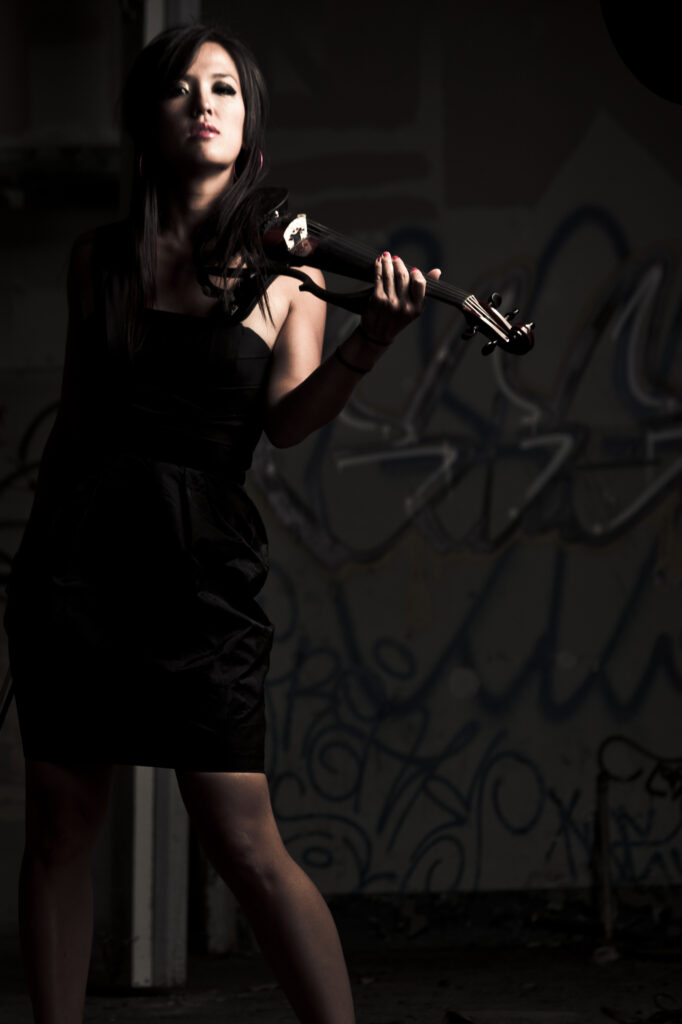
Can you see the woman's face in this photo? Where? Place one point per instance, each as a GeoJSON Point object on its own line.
{"type": "Point", "coordinates": [201, 120]}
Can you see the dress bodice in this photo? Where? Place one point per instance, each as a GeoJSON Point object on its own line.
{"type": "Point", "coordinates": [195, 392]}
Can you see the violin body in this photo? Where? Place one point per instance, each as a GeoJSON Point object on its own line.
{"type": "Point", "coordinates": [293, 240]}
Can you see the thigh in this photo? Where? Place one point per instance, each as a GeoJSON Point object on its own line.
{"type": "Point", "coordinates": [65, 803]}
{"type": "Point", "coordinates": [226, 796]}
{"type": "Point", "coordinates": [231, 811]}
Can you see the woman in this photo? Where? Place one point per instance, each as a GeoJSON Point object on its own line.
{"type": "Point", "coordinates": [135, 635]}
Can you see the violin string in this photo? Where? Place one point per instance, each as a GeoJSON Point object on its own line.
{"type": "Point", "coordinates": [343, 244]}
{"type": "Point", "coordinates": [447, 292]}
{"type": "Point", "coordinates": [438, 289]}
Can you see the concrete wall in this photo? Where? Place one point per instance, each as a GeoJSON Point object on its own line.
{"type": "Point", "coordinates": [477, 569]}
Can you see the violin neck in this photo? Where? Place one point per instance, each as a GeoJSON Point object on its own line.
{"type": "Point", "coordinates": [293, 242]}
{"type": "Point", "coordinates": [445, 292]}
{"type": "Point", "coordinates": [304, 242]}
{"type": "Point", "coordinates": [331, 252]}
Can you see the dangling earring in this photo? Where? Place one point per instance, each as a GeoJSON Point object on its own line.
{"type": "Point", "coordinates": [260, 153]}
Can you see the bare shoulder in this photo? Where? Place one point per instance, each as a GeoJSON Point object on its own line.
{"type": "Point", "coordinates": [288, 305]}
{"type": "Point", "coordinates": [302, 303]}
{"type": "Point", "coordinates": [289, 288]}
{"type": "Point", "coordinates": [300, 333]}
{"type": "Point", "coordinates": [294, 301]}
{"type": "Point", "coordinates": [313, 273]}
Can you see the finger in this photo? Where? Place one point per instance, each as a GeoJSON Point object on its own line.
{"type": "Point", "coordinates": [401, 277]}
{"type": "Point", "coordinates": [435, 274]}
{"type": "Point", "coordinates": [388, 278]}
{"type": "Point", "coordinates": [379, 290]}
{"type": "Point", "coordinates": [417, 286]}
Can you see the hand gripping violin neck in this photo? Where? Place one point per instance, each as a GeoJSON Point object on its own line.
{"type": "Point", "coordinates": [291, 241]}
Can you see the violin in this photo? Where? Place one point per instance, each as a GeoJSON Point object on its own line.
{"type": "Point", "coordinates": [294, 240]}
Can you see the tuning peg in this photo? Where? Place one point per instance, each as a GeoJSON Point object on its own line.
{"type": "Point", "coordinates": [469, 333]}
{"type": "Point", "coordinates": [488, 348]}
{"type": "Point", "coordinates": [495, 300]}
{"type": "Point", "coordinates": [511, 314]}
{"type": "Point", "coordinates": [521, 340]}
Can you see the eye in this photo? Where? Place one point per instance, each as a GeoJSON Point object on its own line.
{"type": "Point", "coordinates": [177, 89]}
{"type": "Point", "coordinates": [224, 89]}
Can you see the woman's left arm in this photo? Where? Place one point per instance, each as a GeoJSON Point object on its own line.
{"type": "Point", "coordinates": [303, 393]}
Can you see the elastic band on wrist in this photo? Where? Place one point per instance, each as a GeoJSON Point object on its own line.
{"type": "Point", "coordinates": [349, 366]}
{"type": "Point", "coordinates": [367, 337]}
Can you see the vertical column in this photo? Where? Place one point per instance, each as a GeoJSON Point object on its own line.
{"type": "Point", "coordinates": [180, 12]}
{"type": "Point", "coordinates": [154, 19]}
{"type": "Point", "coordinates": [159, 844]}
{"type": "Point", "coordinates": [143, 887]}
{"type": "Point", "coordinates": [171, 881]}
{"type": "Point", "coordinates": [161, 14]}
{"type": "Point", "coordinates": [160, 881]}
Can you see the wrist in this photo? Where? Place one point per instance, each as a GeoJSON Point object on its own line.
{"type": "Point", "coordinates": [356, 351]}
{"type": "Point", "coordinates": [371, 338]}
{"type": "Point", "coordinates": [338, 354]}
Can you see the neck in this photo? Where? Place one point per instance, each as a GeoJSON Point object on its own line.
{"type": "Point", "coordinates": [186, 202]}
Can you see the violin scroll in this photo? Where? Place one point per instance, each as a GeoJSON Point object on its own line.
{"type": "Point", "coordinates": [486, 318]}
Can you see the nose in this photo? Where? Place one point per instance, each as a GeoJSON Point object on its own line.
{"type": "Point", "coordinates": [202, 103]}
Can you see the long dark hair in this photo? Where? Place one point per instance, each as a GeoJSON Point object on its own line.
{"type": "Point", "coordinates": [233, 225]}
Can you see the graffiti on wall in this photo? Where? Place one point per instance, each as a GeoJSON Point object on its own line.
{"type": "Point", "coordinates": [396, 807]}
{"type": "Point", "coordinates": [626, 318]}
{"type": "Point", "coordinates": [477, 585]}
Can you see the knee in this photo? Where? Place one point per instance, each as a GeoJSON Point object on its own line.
{"type": "Point", "coordinates": [235, 825]}
{"type": "Point", "coordinates": [246, 861]}
{"type": "Point", "coordinates": [63, 818]}
{"type": "Point", "coordinates": [60, 842]}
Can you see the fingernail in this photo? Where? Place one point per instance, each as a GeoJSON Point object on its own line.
{"type": "Point", "coordinates": [413, 268]}
{"type": "Point", "coordinates": [385, 254]}
{"type": "Point", "coordinates": [396, 257]}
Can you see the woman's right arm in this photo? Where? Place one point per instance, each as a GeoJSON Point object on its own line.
{"type": "Point", "coordinates": [68, 425]}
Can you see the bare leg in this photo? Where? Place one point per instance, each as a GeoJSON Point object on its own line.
{"type": "Point", "coordinates": [290, 919]}
{"type": "Point", "coordinates": [65, 806]}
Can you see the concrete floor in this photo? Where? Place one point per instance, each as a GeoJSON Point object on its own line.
{"type": "Point", "coordinates": [518, 986]}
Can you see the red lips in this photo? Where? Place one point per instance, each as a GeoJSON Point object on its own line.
{"type": "Point", "coordinates": [203, 130]}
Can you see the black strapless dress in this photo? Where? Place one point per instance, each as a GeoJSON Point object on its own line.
{"type": "Point", "coordinates": [135, 635]}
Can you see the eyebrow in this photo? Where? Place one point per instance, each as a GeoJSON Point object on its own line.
{"type": "Point", "coordinates": [217, 74]}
